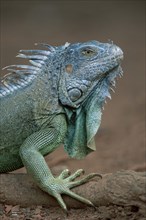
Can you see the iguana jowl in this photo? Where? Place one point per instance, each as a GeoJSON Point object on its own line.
{"type": "Point", "coordinates": [58, 99]}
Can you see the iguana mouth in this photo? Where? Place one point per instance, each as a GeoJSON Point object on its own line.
{"type": "Point", "coordinates": [108, 78]}
{"type": "Point", "coordinates": [105, 83]}
{"type": "Point", "coordinates": [114, 73]}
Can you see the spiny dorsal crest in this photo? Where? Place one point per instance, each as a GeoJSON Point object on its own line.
{"type": "Point", "coordinates": [20, 76]}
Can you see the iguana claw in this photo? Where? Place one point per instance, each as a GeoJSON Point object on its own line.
{"type": "Point", "coordinates": [64, 182]}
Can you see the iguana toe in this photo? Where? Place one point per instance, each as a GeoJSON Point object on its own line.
{"type": "Point", "coordinates": [75, 175]}
{"type": "Point", "coordinates": [84, 179]}
{"type": "Point", "coordinates": [60, 201]}
{"type": "Point", "coordinates": [65, 173]}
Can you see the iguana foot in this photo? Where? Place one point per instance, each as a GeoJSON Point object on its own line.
{"type": "Point", "coordinates": [64, 182]}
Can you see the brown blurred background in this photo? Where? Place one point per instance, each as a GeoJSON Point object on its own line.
{"type": "Point", "coordinates": [121, 139]}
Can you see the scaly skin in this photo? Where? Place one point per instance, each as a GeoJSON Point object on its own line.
{"type": "Point", "coordinates": [56, 101]}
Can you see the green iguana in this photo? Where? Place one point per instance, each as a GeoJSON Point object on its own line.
{"type": "Point", "coordinates": [57, 99]}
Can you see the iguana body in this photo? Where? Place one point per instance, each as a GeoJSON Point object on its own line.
{"type": "Point", "coordinates": [57, 100]}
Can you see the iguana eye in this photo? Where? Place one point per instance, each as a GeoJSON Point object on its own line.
{"type": "Point", "coordinates": [88, 52]}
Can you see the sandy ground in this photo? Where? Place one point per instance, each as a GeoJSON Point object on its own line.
{"type": "Point", "coordinates": [121, 138]}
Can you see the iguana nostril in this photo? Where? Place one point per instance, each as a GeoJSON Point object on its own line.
{"type": "Point", "coordinates": [74, 94]}
{"type": "Point", "coordinates": [69, 68]}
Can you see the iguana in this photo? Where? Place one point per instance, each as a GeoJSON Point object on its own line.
{"type": "Point", "coordinates": [58, 99]}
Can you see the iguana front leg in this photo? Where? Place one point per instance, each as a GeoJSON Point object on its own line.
{"type": "Point", "coordinates": [41, 143]}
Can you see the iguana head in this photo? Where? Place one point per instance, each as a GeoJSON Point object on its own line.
{"type": "Point", "coordinates": [88, 72]}
{"type": "Point", "coordinates": [88, 66]}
